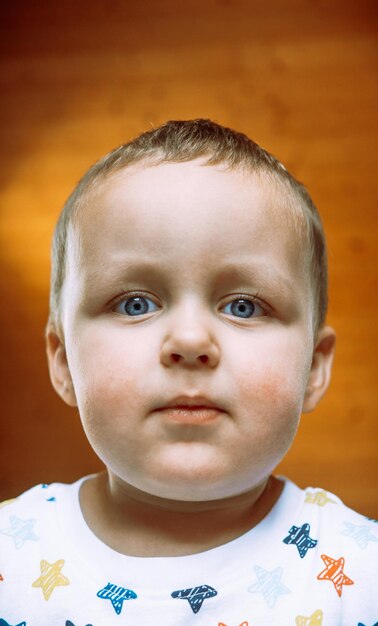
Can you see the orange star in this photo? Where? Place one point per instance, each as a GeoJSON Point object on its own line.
{"type": "Point", "coordinates": [50, 577]}
{"type": "Point", "coordinates": [334, 572]}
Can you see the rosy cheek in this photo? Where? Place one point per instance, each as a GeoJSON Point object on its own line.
{"type": "Point", "coordinates": [273, 392]}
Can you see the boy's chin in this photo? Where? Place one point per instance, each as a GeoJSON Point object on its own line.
{"type": "Point", "coordinates": [192, 482]}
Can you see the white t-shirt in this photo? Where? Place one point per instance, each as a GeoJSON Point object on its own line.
{"type": "Point", "coordinates": [310, 562]}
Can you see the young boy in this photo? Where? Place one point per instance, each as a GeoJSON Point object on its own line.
{"type": "Point", "coordinates": [187, 325]}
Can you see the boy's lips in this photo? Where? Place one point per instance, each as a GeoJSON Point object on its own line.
{"type": "Point", "coordinates": [190, 410]}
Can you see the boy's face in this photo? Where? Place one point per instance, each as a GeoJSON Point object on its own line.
{"type": "Point", "coordinates": [187, 323]}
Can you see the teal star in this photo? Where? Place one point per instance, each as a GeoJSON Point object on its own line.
{"type": "Point", "coordinates": [116, 595]}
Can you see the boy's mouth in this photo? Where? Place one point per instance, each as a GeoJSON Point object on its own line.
{"type": "Point", "coordinates": [190, 410]}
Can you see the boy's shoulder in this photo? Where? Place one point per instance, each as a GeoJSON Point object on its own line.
{"type": "Point", "coordinates": [38, 495]}
{"type": "Point", "coordinates": [22, 518]}
{"type": "Point", "coordinates": [328, 513]}
{"type": "Point", "coordinates": [34, 496]}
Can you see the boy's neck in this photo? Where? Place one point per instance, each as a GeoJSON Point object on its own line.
{"type": "Point", "coordinates": [129, 524]}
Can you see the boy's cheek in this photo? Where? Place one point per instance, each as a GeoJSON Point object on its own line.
{"type": "Point", "coordinates": [277, 385]}
{"type": "Point", "coordinates": [99, 361]}
{"type": "Point", "coordinates": [110, 395]}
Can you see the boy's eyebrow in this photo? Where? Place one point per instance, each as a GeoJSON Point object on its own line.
{"type": "Point", "coordinates": [232, 271]}
{"type": "Point", "coordinates": [116, 270]}
{"type": "Point", "coordinates": [258, 272]}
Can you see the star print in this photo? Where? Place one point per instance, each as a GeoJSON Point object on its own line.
{"type": "Point", "coordinates": [69, 623]}
{"type": "Point", "coordinates": [361, 534]}
{"type": "Point", "coordinates": [316, 619]}
{"type": "Point", "coordinates": [300, 537]}
{"type": "Point", "coordinates": [116, 595]}
{"type": "Point", "coordinates": [319, 497]}
{"type": "Point", "coordinates": [4, 623]}
{"type": "Point", "coordinates": [195, 595]}
{"type": "Point", "coordinates": [242, 624]}
{"type": "Point", "coordinates": [359, 624]}
{"type": "Point", "coordinates": [334, 572]}
{"type": "Point", "coordinates": [20, 530]}
{"type": "Point", "coordinates": [52, 499]}
{"type": "Point", "coordinates": [50, 577]}
{"type": "Point", "coordinates": [269, 584]}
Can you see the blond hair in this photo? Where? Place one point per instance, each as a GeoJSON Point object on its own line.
{"type": "Point", "coordinates": [180, 141]}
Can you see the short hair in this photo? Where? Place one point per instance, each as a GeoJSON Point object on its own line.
{"type": "Point", "coordinates": [181, 141]}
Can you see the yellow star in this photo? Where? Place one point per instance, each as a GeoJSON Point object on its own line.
{"type": "Point", "coordinates": [318, 497]}
{"type": "Point", "coordinates": [6, 502]}
{"type": "Point", "coordinates": [316, 619]}
{"type": "Point", "coordinates": [50, 577]}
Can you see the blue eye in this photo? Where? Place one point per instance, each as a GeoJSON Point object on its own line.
{"type": "Point", "coordinates": [244, 308]}
{"type": "Point", "coordinates": [136, 305]}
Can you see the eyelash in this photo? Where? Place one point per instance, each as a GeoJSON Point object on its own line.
{"type": "Point", "coordinates": [254, 300]}
{"type": "Point", "coordinates": [125, 298]}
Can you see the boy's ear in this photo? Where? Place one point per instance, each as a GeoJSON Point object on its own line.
{"type": "Point", "coordinates": [321, 367]}
{"type": "Point", "coordinates": [58, 367]}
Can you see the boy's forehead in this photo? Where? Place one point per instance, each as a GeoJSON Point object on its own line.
{"type": "Point", "coordinates": [147, 183]}
{"type": "Point", "coordinates": [187, 203]}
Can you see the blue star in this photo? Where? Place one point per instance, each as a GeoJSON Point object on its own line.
{"type": "Point", "coordinates": [4, 623]}
{"type": "Point", "coordinates": [69, 623]}
{"type": "Point", "coordinates": [300, 537]}
{"type": "Point", "coordinates": [195, 595]}
{"type": "Point", "coordinates": [361, 534]}
{"type": "Point", "coordinates": [269, 585]}
{"type": "Point", "coordinates": [359, 624]}
{"type": "Point", "coordinates": [20, 530]}
{"type": "Point", "coordinates": [116, 595]}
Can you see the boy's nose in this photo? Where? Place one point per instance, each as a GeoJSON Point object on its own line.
{"type": "Point", "coordinates": [190, 344]}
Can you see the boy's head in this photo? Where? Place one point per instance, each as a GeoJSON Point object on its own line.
{"type": "Point", "coordinates": [181, 141]}
{"type": "Point", "coordinates": [187, 317]}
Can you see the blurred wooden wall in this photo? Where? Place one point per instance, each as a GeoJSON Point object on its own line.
{"type": "Point", "coordinates": [79, 78]}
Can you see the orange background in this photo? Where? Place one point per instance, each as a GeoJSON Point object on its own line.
{"type": "Point", "coordinates": [79, 78]}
